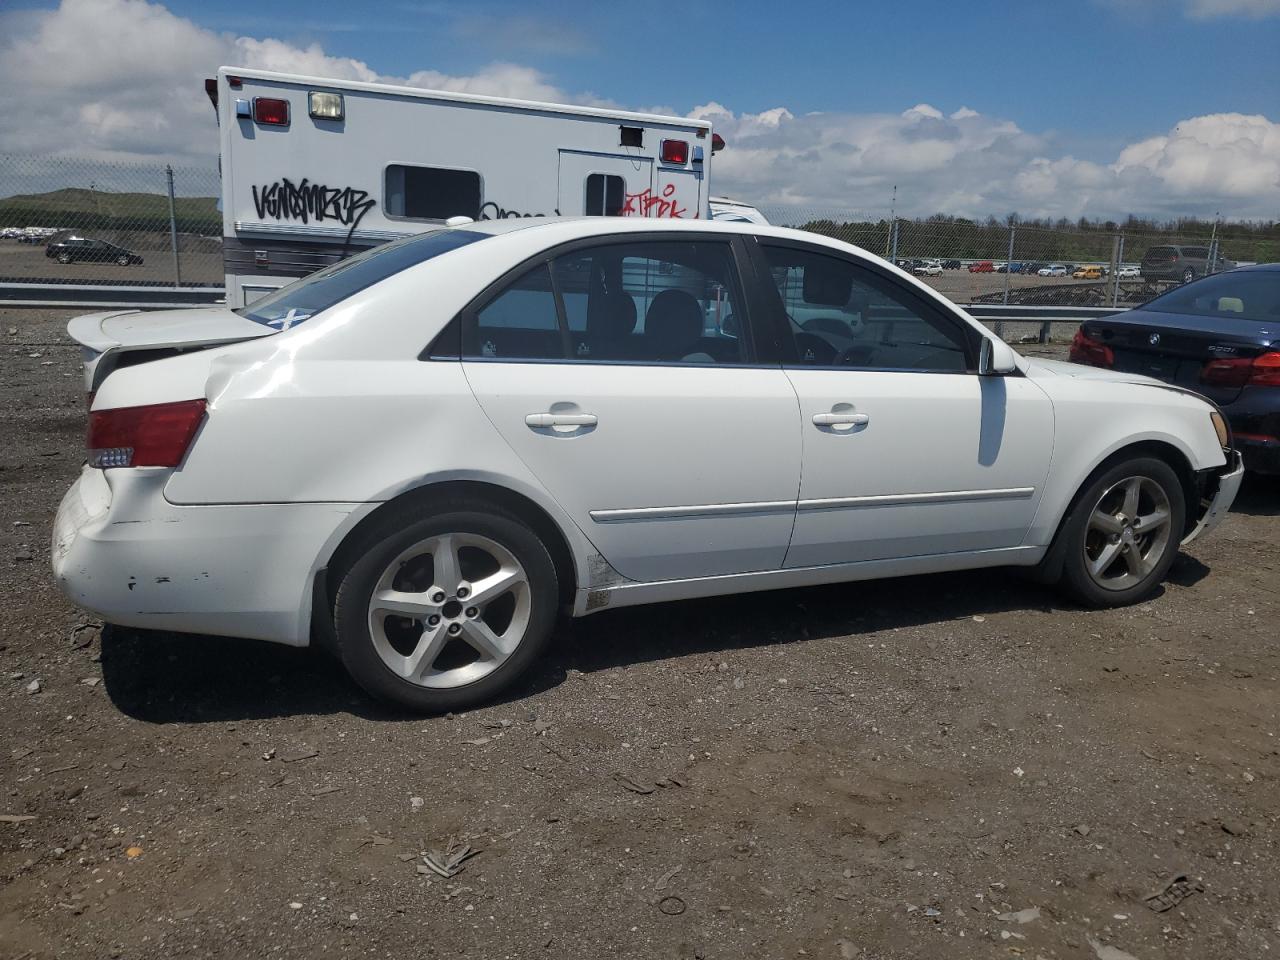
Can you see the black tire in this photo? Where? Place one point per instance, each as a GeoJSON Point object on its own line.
{"type": "Point", "coordinates": [64, 258]}
{"type": "Point", "coordinates": [378, 547]}
{"type": "Point", "coordinates": [1076, 579]}
{"type": "Point", "coordinates": [122, 260]}
{"type": "Point", "coordinates": [1188, 275]}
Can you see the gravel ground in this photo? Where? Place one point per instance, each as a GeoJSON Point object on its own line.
{"type": "Point", "coordinates": [910, 768]}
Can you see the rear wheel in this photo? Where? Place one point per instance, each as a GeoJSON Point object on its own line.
{"type": "Point", "coordinates": [1123, 533]}
{"type": "Point", "coordinates": [1188, 275]}
{"type": "Point", "coordinates": [440, 611]}
{"type": "Point", "coordinates": [123, 260]}
{"type": "Point", "coordinates": [64, 258]}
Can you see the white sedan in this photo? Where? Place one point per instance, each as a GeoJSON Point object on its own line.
{"type": "Point", "coordinates": [1128, 273]}
{"type": "Point", "coordinates": [1053, 270]}
{"type": "Point", "coordinates": [424, 454]}
{"type": "Point", "coordinates": [930, 268]}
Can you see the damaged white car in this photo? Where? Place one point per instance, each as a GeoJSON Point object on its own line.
{"type": "Point", "coordinates": [423, 455]}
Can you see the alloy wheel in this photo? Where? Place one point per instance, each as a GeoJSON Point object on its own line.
{"type": "Point", "coordinates": [449, 610]}
{"type": "Point", "coordinates": [1128, 533]}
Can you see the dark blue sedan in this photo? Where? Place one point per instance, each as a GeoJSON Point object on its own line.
{"type": "Point", "coordinates": [1219, 336]}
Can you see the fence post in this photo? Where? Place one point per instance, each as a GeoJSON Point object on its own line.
{"type": "Point", "coordinates": [1117, 258]}
{"type": "Point", "coordinates": [173, 229]}
{"type": "Point", "coordinates": [893, 256]}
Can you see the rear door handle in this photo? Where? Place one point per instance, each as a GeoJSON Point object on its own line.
{"type": "Point", "coordinates": [561, 420]}
{"type": "Point", "coordinates": [841, 419]}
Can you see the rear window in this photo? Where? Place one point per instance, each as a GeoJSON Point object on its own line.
{"type": "Point", "coordinates": [1235, 295]}
{"type": "Point", "coordinates": [304, 298]}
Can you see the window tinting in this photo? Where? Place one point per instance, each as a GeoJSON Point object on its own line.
{"type": "Point", "coordinates": [605, 195]}
{"type": "Point", "coordinates": [431, 193]}
{"type": "Point", "coordinates": [1235, 295]}
{"type": "Point", "coordinates": [520, 322]}
{"type": "Point", "coordinates": [640, 302]}
{"type": "Point", "coordinates": [843, 314]}
{"type": "Point", "coordinates": [304, 298]}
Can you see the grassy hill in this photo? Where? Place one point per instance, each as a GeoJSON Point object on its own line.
{"type": "Point", "coordinates": [81, 209]}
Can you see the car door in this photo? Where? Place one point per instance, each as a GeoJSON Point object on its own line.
{"type": "Point", "coordinates": [603, 184]}
{"type": "Point", "coordinates": [622, 373]}
{"type": "Point", "coordinates": [906, 450]}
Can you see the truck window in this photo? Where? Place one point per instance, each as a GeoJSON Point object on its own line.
{"type": "Point", "coordinates": [431, 193]}
{"type": "Point", "coordinates": [605, 195]}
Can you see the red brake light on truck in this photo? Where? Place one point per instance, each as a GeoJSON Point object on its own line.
{"type": "Point", "coordinates": [271, 111]}
{"type": "Point", "coordinates": [717, 143]}
{"type": "Point", "coordinates": [156, 435]}
{"type": "Point", "coordinates": [675, 151]}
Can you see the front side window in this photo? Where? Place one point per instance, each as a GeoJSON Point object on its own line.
{"type": "Point", "coordinates": [431, 193]}
{"type": "Point", "coordinates": [842, 314]}
{"type": "Point", "coordinates": [304, 298]}
{"type": "Point", "coordinates": [633, 302]}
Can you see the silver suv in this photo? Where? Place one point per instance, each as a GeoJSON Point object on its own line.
{"type": "Point", "coordinates": [1185, 263]}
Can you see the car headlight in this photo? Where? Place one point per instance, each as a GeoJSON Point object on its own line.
{"type": "Point", "coordinates": [1220, 427]}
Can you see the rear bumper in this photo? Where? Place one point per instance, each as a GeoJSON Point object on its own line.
{"type": "Point", "coordinates": [122, 551]}
{"type": "Point", "coordinates": [1255, 424]}
{"type": "Point", "coordinates": [1220, 500]}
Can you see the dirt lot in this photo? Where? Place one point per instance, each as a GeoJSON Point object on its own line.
{"type": "Point", "coordinates": [878, 770]}
{"type": "Point", "coordinates": [27, 263]}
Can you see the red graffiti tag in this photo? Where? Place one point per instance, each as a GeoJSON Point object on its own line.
{"type": "Point", "coordinates": [645, 204]}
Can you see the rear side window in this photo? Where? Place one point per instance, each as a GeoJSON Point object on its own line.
{"type": "Point", "coordinates": [304, 298]}
{"type": "Point", "coordinates": [605, 195]}
{"type": "Point", "coordinates": [636, 302]}
{"type": "Point", "coordinates": [431, 193]}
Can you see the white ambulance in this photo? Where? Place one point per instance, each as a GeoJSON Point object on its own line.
{"type": "Point", "coordinates": [314, 170]}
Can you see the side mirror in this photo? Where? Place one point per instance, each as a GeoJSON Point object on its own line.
{"type": "Point", "coordinates": [995, 358]}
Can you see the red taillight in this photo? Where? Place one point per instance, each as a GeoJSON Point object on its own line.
{"type": "Point", "coordinates": [152, 436]}
{"type": "Point", "coordinates": [271, 111]}
{"type": "Point", "coordinates": [675, 151]}
{"type": "Point", "coordinates": [1084, 349]}
{"type": "Point", "coordinates": [1259, 371]}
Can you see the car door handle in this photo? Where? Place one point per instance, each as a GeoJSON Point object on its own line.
{"type": "Point", "coordinates": [561, 420]}
{"type": "Point", "coordinates": [841, 419]}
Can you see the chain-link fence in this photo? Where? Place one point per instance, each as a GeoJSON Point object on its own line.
{"type": "Point", "coordinates": [1013, 263]}
{"type": "Point", "coordinates": [73, 220]}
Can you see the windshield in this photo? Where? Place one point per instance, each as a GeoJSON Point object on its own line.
{"type": "Point", "coordinates": [1236, 295]}
{"type": "Point", "coordinates": [304, 298]}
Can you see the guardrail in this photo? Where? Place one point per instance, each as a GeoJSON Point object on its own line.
{"type": "Point", "coordinates": [998, 314]}
{"type": "Point", "coordinates": [114, 297]}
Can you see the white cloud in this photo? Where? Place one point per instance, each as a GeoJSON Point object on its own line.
{"type": "Point", "coordinates": [122, 79]}
{"type": "Point", "coordinates": [1256, 9]}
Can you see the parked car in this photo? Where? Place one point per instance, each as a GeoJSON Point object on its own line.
{"type": "Point", "coordinates": [1129, 273]}
{"type": "Point", "coordinates": [951, 264]}
{"type": "Point", "coordinates": [1053, 270]}
{"type": "Point", "coordinates": [930, 268]}
{"type": "Point", "coordinates": [31, 238]}
{"type": "Point", "coordinates": [1179, 262]}
{"type": "Point", "coordinates": [982, 266]}
{"type": "Point", "coordinates": [569, 422]}
{"type": "Point", "coordinates": [1218, 336]}
{"type": "Point", "coordinates": [1088, 273]}
{"type": "Point", "coordinates": [75, 249]}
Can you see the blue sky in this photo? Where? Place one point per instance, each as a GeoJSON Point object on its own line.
{"type": "Point", "coordinates": [1097, 73]}
{"type": "Point", "coordinates": [1155, 107]}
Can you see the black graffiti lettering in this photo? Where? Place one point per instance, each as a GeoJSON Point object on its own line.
{"type": "Point", "coordinates": [306, 201]}
{"type": "Point", "coordinates": [492, 211]}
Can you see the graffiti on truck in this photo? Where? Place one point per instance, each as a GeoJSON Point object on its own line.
{"type": "Point", "coordinates": [493, 211]}
{"type": "Point", "coordinates": [305, 201]}
{"type": "Point", "coordinates": [647, 204]}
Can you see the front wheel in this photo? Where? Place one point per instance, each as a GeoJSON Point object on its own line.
{"type": "Point", "coordinates": [64, 258]}
{"type": "Point", "coordinates": [441, 610]}
{"type": "Point", "coordinates": [122, 260]}
{"type": "Point", "coordinates": [1123, 533]}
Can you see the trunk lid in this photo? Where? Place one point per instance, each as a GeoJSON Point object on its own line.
{"type": "Point", "coordinates": [112, 339]}
{"type": "Point", "coordinates": [1175, 347]}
